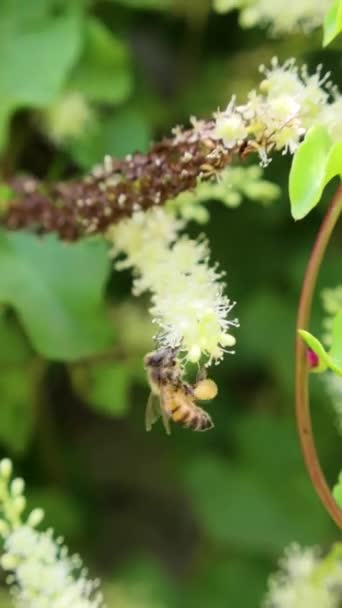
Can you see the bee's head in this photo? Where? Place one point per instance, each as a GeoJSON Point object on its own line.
{"type": "Point", "coordinates": [162, 357]}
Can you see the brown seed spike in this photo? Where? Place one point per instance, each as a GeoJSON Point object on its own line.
{"type": "Point", "coordinates": [113, 191]}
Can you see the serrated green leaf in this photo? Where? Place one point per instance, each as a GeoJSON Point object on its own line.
{"type": "Point", "coordinates": [49, 44]}
{"type": "Point", "coordinates": [332, 24]}
{"type": "Point", "coordinates": [308, 172]}
{"type": "Point", "coordinates": [104, 72]}
{"type": "Point", "coordinates": [56, 289]}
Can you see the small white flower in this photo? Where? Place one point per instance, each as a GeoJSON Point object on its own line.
{"type": "Point", "coordinates": [231, 128]}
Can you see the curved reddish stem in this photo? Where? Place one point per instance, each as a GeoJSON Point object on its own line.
{"type": "Point", "coordinates": [302, 391]}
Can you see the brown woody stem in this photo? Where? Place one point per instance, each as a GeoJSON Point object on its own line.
{"type": "Point", "coordinates": [304, 425]}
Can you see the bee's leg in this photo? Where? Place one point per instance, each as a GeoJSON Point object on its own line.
{"type": "Point", "coordinates": [201, 375]}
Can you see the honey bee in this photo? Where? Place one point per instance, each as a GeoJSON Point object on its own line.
{"type": "Point", "coordinates": [173, 398]}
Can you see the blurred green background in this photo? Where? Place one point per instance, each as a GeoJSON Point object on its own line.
{"type": "Point", "coordinates": [192, 520]}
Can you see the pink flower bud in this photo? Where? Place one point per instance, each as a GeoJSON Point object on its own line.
{"type": "Point", "coordinates": [312, 358]}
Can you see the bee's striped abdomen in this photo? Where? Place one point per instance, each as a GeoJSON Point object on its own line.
{"type": "Point", "coordinates": [200, 421]}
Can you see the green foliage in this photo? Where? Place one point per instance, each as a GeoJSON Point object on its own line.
{"type": "Point", "coordinates": [17, 412]}
{"type": "Point", "coordinates": [103, 71]}
{"type": "Point", "coordinates": [308, 172]}
{"type": "Point", "coordinates": [337, 491]}
{"type": "Point", "coordinates": [104, 386]}
{"type": "Point", "coordinates": [14, 347]}
{"type": "Point", "coordinates": [41, 42]}
{"type": "Point", "coordinates": [57, 291]}
{"type": "Point", "coordinates": [253, 491]}
{"type": "Point", "coordinates": [118, 134]}
{"type": "Point", "coordinates": [333, 22]}
{"type": "Point", "coordinates": [315, 163]}
{"type": "Point", "coordinates": [146, 4]}
{"type": "Point", "coordinates": [62, 509]}
{"type": "Point", "coordinates": [198, 519]}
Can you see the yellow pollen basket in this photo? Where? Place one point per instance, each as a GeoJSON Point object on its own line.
{"type": "Point", "coordinates": [206, 390]}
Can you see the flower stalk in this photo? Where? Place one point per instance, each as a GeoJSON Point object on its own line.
{"type": "Point", "coordinates": [303, 417]}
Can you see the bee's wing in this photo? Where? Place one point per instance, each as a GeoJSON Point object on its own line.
{"type": "Point", "coordinates": [153, 411]}
{"type": "Point", "coordinates": [163, 410]}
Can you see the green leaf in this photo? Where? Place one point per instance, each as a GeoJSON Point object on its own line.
{"type": "Point", "coordinates": [332, 24]}
{"type": "Point", "coordinates": [124, 132]}
{"type": "Point", "coordinates": [228, 501]}
{"type": "Point", "coordinates": [308, 172]}
{"type": "Point", "coordinates": [104, 72]}
{"type": "Point", "coordinates": [326, 360]}
{"type": "Point", "coordinates": [6, 195]}
{"type": "Point", "coordinates": [337, 494]}
{"type": "Point", "coordinates": [17, 411]}
{"type": "Point", "coordinates": [37, 52]}
{"type": "Point", "coordinates": [56, 289]}
{"type": "Point", "coordinates": [104, 386]}
{"type": "Point", "coordinates": [334, 162]}
{"type": "Point", "coordinates": [14, 346]}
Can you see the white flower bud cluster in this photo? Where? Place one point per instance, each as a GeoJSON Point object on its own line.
{"type": "Point", "coordinates": [281, 17]}
{"type": "Point", "coordinates": [231, 187]}
{"type": "Point", "coordinates": [276, 116]}
{"type": "Point", "coordinates": [39, 569]}
{"type": "Point", "coordinates": [188, 300]}
{"type": "Point", "coordinates": [305, 580]}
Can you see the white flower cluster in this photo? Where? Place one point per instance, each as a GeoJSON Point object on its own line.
{"type": "Point", "coordinates": [66, 118]}
{"type": "Point", "coordinates": [333, 386]}
{"type": "Point", "coordinates": [40, 571]}
{"type": "Point", "coordinates": [276, 116]}
{"type": "Point", "coordinates": [188, 301]}
{"type": "Point", "coordinates": [332, 303]}
{"type": "Point", "coordinates": [282, 17]}
{"type": "Point", "coordinates": [306, 581]}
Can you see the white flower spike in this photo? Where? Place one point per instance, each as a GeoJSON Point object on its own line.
{"type": "Point", "coordinates": [39, 569]}
{"type": "Point", "coordinates": [188, 301]}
